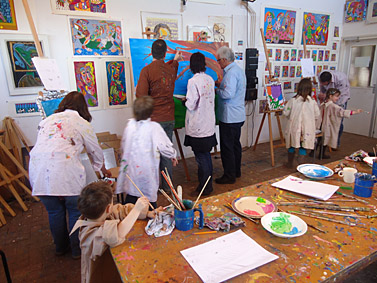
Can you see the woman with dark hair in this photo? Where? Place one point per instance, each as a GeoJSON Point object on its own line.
{"type": "Point", "coordinates": [57, 175]}
{"type": "Point", "coordinates": [200, 120]}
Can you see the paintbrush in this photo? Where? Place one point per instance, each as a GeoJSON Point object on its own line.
{"type": "Point", "coordinates": [333, 213]}
{"type": "Point", "coordinates": [173, 191]}
{"type": "Point", "coordinates": [169, 199]}
{"type": "Point", "coordinates": [209, 177]}
{"type": "Point", "coordinates": [372, 216]}
{"type": "Point", "coordinates": [140, 191]}
{"type": "Point", "coordinates": [232, 209]}
{"type": "Point", "coordinates": [309, 225]}
{"type": "Point", "coordinates": [322, 218]}
{"type": "Point", "coordinates": [330, 207]}
{"type": "Point", "coordinates": [352, 197]}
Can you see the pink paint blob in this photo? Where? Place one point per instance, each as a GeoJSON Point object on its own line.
{"type": "Point", "coordinates": [251, 212]}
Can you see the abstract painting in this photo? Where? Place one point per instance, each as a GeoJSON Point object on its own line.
{"type": "Point", "coordinates": [278, 55]}
{"type": "Point", "coordinates": [262, 106]}
{"type": "Point", "coordinates": [316, 28]}
{"type": "Point", "coordinates": [279, 26]}
{"type": "Point", "coordinates": [7, 15]}
{"type": "Point", "coordinates": [285, 72]}
{"type": "Point", "coordinates": [116, 83]}
{"type": "Point", "coordinates": [356, 10]}
{"type": "Point", "coordinates": [293, 54]}
{"type": "Point", "coordinates": [141, 56]}
{"type": "Point", "coordinates": [277, 71]}
{"type": "Point", "coordinates": [96, 37]}
{"type": "Point", "coordinates": [287, 85]}
{"type": "Point", "coordinates": [336, 32]}
{"type": "Point", "coordinates": [221, 28]}
{"type": "Point", "coordinates": [199, 33]}
{"type": "Point", "coordinates": [300, 55]}
{"type": "Point", "coordinates": [327, 55]}
{"type": "Point", "coordinates": [320, 55]}
{"type": "Point", "coordinates": [79, 7]}
{"type": "Point", "coordinates": [275, 97]}
{"type": "Point", "coordinates": [314, 55]}
{"type": "Point", "coordinates": [298, 72]}
{"type": "Point", "coordinates": [286, 55]}
{"type": "Point", "coordinates": [85, 76]}
{"type": "Point", "coordinates": [23, 69]}
{"type": "Point", "coordinates": [372, 12]}
{"type": "Point", "coordinates": [165, 26]}
{"type": "Point", "coordinates": [292, 71]}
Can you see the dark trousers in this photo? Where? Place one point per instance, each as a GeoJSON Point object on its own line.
{"type": "Point", "coordinates": [166, 162]}
{"type": "Point", "coordinates": [133, 199]}
{"type": "Point", "coordinates": [231, 150]}
{"type": "Point", "coordinates": [205, 169]}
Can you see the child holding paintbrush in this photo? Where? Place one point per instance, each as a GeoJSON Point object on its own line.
{"type": "Point", "coordinates": [144, 141]}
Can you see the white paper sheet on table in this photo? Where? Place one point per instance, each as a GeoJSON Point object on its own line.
{"type": "Point", "coordinates": [309, 188]}
{"type": "Point", "coordinates": [227, 257]}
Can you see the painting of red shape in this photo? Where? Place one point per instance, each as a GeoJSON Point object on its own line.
{"type": "Point", "coordinates": [79, 7]}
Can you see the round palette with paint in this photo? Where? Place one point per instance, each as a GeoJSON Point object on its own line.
{"type": "Point", "coordinates": [284, 225]}
{"type": "Point", "coordinates": [315, 171]}
{"type": "Point", "coordinates": [255, 207]}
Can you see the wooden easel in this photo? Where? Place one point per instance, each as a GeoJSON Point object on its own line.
{"type": "Point", "coordinates": [268, 112]}
{"type": "Point", "coordinates": [148, 32]}
{"type": "Point", "coordinates": [182, 155]}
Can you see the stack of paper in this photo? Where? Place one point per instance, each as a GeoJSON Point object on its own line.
{"type": "Point", "coordinates": [226, 257]}
{"type": "Point", "coordinates": [309, 188]}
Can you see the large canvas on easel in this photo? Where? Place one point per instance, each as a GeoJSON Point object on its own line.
{"type": "Point", "coordinates": [141, 56]}
{"type": "Point", "coordinates": [279, 25]}
{"type": "Point", "coordinates": [275, 97]}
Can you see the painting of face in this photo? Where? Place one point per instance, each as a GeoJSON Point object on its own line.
{"type": "Point", "coordinates": [86, 81]}
{"type": "Point", "coordinates": [116, 82]}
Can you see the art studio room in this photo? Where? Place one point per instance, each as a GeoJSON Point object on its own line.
{"type": "Point", "coordinates": [107, 107]}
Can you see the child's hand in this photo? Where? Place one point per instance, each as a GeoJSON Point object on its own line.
{"type": "Point", "coordinates": [357, 111]}
{"type": "Point", "coordinates": [152, 214]}
{"type": "Point", "coordinates": [141, 204]}
{"type": "Point", "coordinates": [174, 161]}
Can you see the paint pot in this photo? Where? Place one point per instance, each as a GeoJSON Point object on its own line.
{"type": "Point", "coordinates": [374, 167]}
{"type": "Point", "coordinates": [364, 184]}
{"type": "Point", "coordinates": [184, 220]}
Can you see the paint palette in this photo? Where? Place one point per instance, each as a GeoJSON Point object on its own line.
{"type": "Point", "coordinates": [369, 160]}
{"type": "Point", "coordinates": [284, 225]}
{"type": "Point", "coordinates": [315, 171]}
{"type": "Point", "coordinates": [255, 207]}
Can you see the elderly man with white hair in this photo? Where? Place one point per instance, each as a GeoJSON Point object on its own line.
{"type": "Point", "coordinates": [231, 113]}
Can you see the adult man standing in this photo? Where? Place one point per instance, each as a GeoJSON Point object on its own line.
{"type": "Point", "coordinates": [339, 80]}
{"type": "Point", "coordinates": [158, 80]}
{"type": "Point", "coordinates": [231, 113]}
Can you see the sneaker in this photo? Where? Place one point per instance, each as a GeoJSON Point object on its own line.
{"type": "Point", "coordinates": [225, 180]}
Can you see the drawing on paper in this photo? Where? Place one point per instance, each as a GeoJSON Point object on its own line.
{"type": "Point", "coordinates": [356, 10]}
{"type": "Point", "coordinates": [298, 71]}
{"type": "Point", "coordinates": [320, 55]}
{"type": "Point", "coordinates": [78, 7]}
{"type": "Point", "coordinates": [277, 71]}
{"type": "Point", "coordinates": [336, 32]}
{"type": "Point", "coordinates": [286, 55]}
{"type": "Point", "coordinates": [333, 57]}
{"type": "Point", "coordinates": [221, 28]}
{"type": "Point", "coordinates": [116, 83]}
{"type": "Point", "coordinates": [278, 55]}
{"type": "Point", "coordinates": [292, 71]}
{"type": "Point", "coordinates": [279, 26]}
{"type": "Point", "coordinates": [300, 55]}
{"type": "Point", "coordinates": [293, 54]}
{"type": "Point", "coordinates": [275, 97]}
{"type": "Point", "coordinates": [319, 70]}
{"type": "Point", "coordinates": [327, 55]}
{"type": "Point", "coordinates": [23, 69]}
{"type": "Point", "coordinates": [262, 106]}
{"type": "Point", "coordinates": [85, 76]}
{"type": "Point", "coordinates": [7, 15]}
{"type": "Point", "coordinates": [316, 28]}
{"type": "Point", "coordinates": [284, 72]}
{"type": "Point", "coordinates": [96, 37]}
{"type": "Point", "coordinates": [314, 55]}
{"type": "Point", "coordinates": [24, 108]}
{"type": "Point", "coordinates": [334, 46]}
{"type": "Point", "coordinates": [287, 85]}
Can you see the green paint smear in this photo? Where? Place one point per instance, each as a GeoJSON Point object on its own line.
{"type": "Point", "coordinates": [281, 224]}
{"type": "Point", "coordinates": [210, 214]}
{"type": "Point", "coordinates": [262, 200]}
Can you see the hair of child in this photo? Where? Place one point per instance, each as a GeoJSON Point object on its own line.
{"type": "Point", "coordinates": [143, 107]}
{"type": "Point", "coordinates": [197, 63]}
{"type": "Point", "coordinates": [94, 199]}
{"type": "Point", "coordinates": [75, 101]}
{"type": "Point", "coordinates": [331, 92]}
{"type": "Point", "coordinates": [304, 88]}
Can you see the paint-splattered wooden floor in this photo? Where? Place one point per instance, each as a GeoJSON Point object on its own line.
{"type": "Point", "coordinates": [28, 245]}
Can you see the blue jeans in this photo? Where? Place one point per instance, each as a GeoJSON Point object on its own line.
{"type": "Point", "coordinates": [57, 208]}
{"type": "Point", "coordinates": [205, 169]}
{"type": "Point", "coordinates": [166, 162]}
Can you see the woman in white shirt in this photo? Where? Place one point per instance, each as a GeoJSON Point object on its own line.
{"type": "Point", "coordinates": [57, 175]}
{"type": "Point", "coordinates": [200, 120]}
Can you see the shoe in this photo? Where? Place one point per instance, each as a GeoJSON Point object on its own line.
{"type": "Point", "coordinates": [238, 175]}
{"type": "Point", "coordinates": [334, 149]}
{"type": "Point", "coordinates": [225, 180]}
{"type": "Point", "coordinates": [63, 252]}
{"type": "Point", "coordinates": [311, 154]}
{"type": "Point", "coordinates": [291, 157]}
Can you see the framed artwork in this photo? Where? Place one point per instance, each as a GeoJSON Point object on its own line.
{"type": "Point", "coordinates": [286, 55]}
{"type": "Point", "coordinates": [337, 32]}
{"type": "Point", "coordinates": [279, 25]}
{"type": "Point", "coordinates": [314, 55]}
{"type": "Point", "coordinates": [334, 46]}
{"type": "Point", "coordinates": [269, 51]}
{"type": "Point", "coordinates": [275, 97]}
{"type": "Point", "coordinates": [298, 71]}
{"type": "Point", "coordinates": [85, 81]}
{"type": "Point", "coordinates": [319, 70]}
{"type": "Point", "coordinates": [292, 71]}
{"type": "Point", "coordinates": [320, 55]}
{"type": "Point", "coordinates": [300, 55]}
{"type": "Point", "coordinates": [315, 28]}
{"type": "Point", "coordinates": [221, 28]}
{"type": "Point", "coordinates": [333, 57]}
{"type": "Point", "coordinates": [262, 106]}
{"type": "Point", "coordinates": [91, 37]}
{"type": "Point", "coordinates": [295, 85]}
{"type": "Point", "coordinates": [293, 54]}
{"type": "Point", "coordinates": [307, 55]}
{"type": "Point", "coordinates": [17, 51]}
{"type": "Point", "coordinates": [165, 26]}
{"type": "Point", "coordinates": [23, 108]}
{"type": "Point", "coordinates": [332, 68]}
{"type": "Point", "coordinates": [372, 12]}
{"type": "Point", "coordinates": [95, 8]}
{"type": "Point", "coordinates": [287, 85]}
{"type": "Point", "coordinates": [327, 55]}
{"type": "Point", "coordinates": [355, 10]}
{"type": "Point", "coordinates": [7, 15]}
{"type": "Point", "coordinates": [325, 67]}
{"type": "Point", "coordinates": [278, 55]}
{"type": "Point", "coordinates": [277, 71]}
{"type": "Point", "coordinates": [284, 72]}
{"type": "Point", "coordinates": [199, 33]}
{"type": "Point", "coordinates": [117, 87]}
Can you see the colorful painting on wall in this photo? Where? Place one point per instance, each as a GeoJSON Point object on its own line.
{"type": "Point", "coordinates": [287, 85]}
{"type": "Point", "coordinates": [336, 32]}
{"type": "Point", "coordinates": [279, 26]}
{"type": "Point", "coordinates": [199, 33]}
{"type": "Point", "coordinates": [221, 28]}
{"type": "Point", "coordinates": [116, 83]}
{"type": "Point", "coordinates": [327, 55]}
{"type": "Point", "coordinates": [316, 28]}
{"type": "Point", "coordinates": [7, 15]}
{"type": "Point", "coordinates": [81, 8]}
{"type": "Point", "coordinates": [165, 26]}
{"type": "Point", "coordinates": [314, 55]}
{"type": "Point", "coordinates": [275, 97]}
{"type": "Point", "coordinates": [285, 72]}
{"type": "Point", "coordinates": [278, 55]}
{"type": "Point", "coordinates": [293, 54]}
{"type": "Point", "coordinates": [298, 72]}
{"type": "Point", "coordinates": [25, 108]}
{"type": "Point", "coordinates": [372, 12]}
{"type": "Point", "coordinates": [85, 76]}
{"type": "Point", "coordinates": [286, 55]}
{"type": "Point", "coordinates": [262, 106]}
{"type": "Point", "coordinates": [292, 71]}
{"type": "Point", "coordinates": [300, 55]}
{"type": "Point", "coordinates": [277, 71]}
{"type": "Point", "coordinates": [96, 37]}
{"type": "Point", "coordinates": [320, 55]}
{"type": "Point", "coordinates": [23, 69]}
{"type": "Point", "coordinates": [356, 10]}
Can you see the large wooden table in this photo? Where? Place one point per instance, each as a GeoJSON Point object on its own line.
{"type": "Point", "coordinates": [313, 257]}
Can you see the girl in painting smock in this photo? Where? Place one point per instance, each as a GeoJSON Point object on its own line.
{"type": "Point", "coordinates": [57, 175]}
{"type": "Point", "coordinates": [302, 112]}
{"type": "Point", "coordinates": [332, 115]}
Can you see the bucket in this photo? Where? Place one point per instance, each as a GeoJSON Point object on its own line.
{"type": "Point", "coordinates": [184, 220]}
{"type": "Point", "coordinates": [374, 168]}
{"type": "Point", "coordinates": [364, 184]}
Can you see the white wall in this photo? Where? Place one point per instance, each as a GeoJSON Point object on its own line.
{"type": "Point", "coordinates": [113, 120]}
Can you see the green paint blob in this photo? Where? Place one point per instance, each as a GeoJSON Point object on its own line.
{"type": "Point", "coordinates": [262, 200]}
{"type": "Point", "coordinates": [281, 224]}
